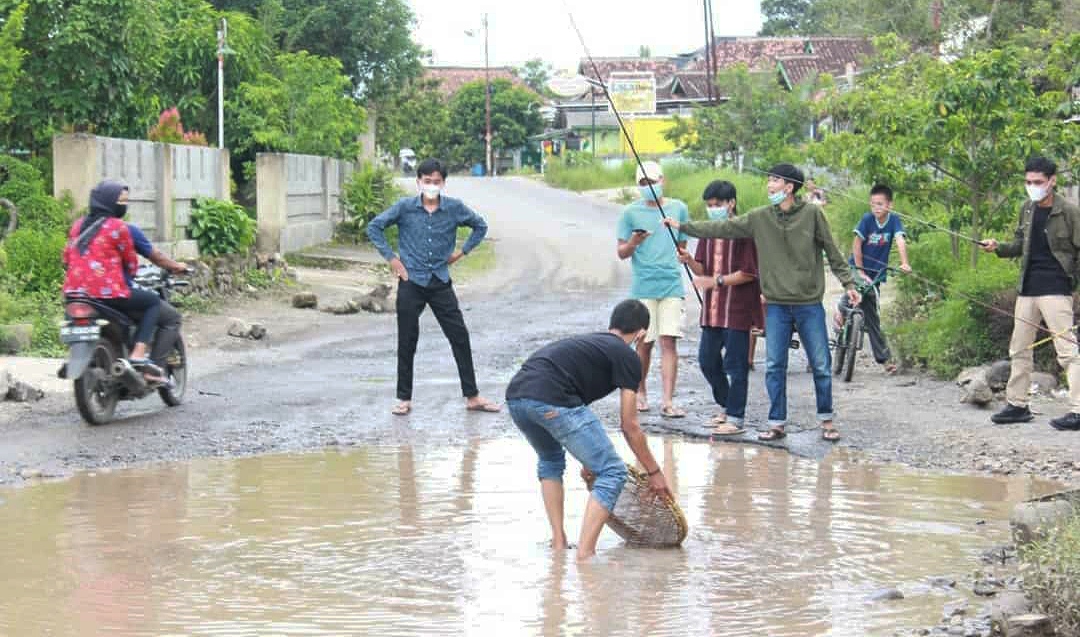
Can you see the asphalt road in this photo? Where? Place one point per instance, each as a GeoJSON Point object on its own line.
{"type": "Point", "coordinates": [557, 274]}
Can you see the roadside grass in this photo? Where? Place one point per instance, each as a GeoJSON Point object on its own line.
{"type": "Point", "coordinates": [478, 262]}
{"type": "Point", "coordinates": [1051, 569]}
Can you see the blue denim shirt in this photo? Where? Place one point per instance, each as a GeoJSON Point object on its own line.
{"type": "Point", "coordinates": [426, 240]}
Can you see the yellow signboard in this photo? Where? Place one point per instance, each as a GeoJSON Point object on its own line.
{"type": "Point", "coordinates": [633, 93]}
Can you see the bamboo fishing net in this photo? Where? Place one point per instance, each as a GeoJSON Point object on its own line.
{"type": "Point", "coordinates": [644, 519]}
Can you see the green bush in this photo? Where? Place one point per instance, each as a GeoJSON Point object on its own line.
{"type": "Point", "coordinates": [19, 180]}
{"type": "Point", "coordinates": [578, 171]}
{"type": "Point", "coordinates": [1051, 569]}
{"type": "Point", "coordinates": [369, 191]}
{"type": "Point", "coordinates": [42, 212]}
{"type": "Point", "coordinates": [33, 260]}
{"type": "Point", "coordinates": [221, 227]}
{"type": "Point", "coordinates": [948, 326]}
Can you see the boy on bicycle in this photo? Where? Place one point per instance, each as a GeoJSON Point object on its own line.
{"type": "Point", "coordinates": [874, 237]}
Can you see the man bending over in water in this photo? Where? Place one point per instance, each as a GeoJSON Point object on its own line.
{"type": "Point", "coordinates": [549, 401]}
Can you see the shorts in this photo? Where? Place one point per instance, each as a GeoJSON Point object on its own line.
{"type": "Point", "coordinates": [666, 317]}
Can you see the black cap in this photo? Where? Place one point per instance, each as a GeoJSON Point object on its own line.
{"type": "Point", "coordinates": [788, 173]}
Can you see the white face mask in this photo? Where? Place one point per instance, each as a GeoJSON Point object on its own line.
{"type": "Point", "coordinates": [431, 191]}
{"type": "Point", "coordinates": [718, 213]}
{"type": "Point", "coordinates": [1037, 193]}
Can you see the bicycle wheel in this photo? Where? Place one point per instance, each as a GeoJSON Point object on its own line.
{"type": "Point", "coordinates": [855, 327]}
{"type": "Point", "coordinates": [840, 349]}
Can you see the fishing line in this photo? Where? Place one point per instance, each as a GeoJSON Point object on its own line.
{"type": "Point", "coordinates": [897, 212]}
{"type": "Point", "coordinates": [629, 142]}
{"type": "Point", "coordinates": [945, 292]}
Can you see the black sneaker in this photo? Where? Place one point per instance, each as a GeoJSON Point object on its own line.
{"type": "Point", "coordinates": [1012, 414]}
{"type": "Point", "coordinates": [1068, 422]}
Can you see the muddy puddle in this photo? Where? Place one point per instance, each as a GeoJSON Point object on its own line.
{"type": "Point", "coordinates": [431, 541]}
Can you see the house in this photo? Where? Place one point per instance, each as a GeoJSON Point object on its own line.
{"type": "Point", "coordinates": [452, 78]}
{"type": "Point", "coordinates": [681, 82]}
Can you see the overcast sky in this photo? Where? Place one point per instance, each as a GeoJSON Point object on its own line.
{"type": "Point", "coordinates": [525, 29]}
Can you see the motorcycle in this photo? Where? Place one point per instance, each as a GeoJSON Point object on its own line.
{"type": "Point", "coordinates": [100, 338]}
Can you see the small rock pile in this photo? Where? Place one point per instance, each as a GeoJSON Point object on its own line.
{"type": "Point", "coordinates": [16, 390]}
{"type": "Point", "coordinates": [983, 384]}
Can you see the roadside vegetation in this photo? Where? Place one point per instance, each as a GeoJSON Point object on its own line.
{"type": "Point", "coordinates": [1051, 569]}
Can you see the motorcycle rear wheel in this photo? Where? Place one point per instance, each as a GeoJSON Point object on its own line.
{"type": "Point", "coordinates": [95, 396]}
{"type": "Point", "coordinates": [176, 367]}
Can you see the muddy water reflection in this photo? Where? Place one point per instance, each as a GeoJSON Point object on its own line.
{"type": "Point", "coordinates": [421, 541]}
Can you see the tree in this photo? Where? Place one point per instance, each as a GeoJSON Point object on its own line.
{"type": "Point", "coordinates": [11, 57]}
{"type": "Point", "coordinates": [760, 118]}
{"type": "Point", "coordinates": [416, 117]}
{"type": "Point", "coordinates": [189, 64]}
{"type": "Point", "coordinates": [90, 64]}
{"type": "Point", "coordinates": [790, 17]}
{"type": "Point", "coordinates": [302, 106]}
{"type": "Point", "coordinates": [644, 51]}
{"type": "Point", "coordinates": [371, 38]}
{"type": "Point", "coordinates": [536, 73]}
{"type": "Point", "coordinates": [955, 134]}
{"type": "Point", "coordinates": [515, 115]}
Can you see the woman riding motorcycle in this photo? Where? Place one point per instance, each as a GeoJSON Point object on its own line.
{"type": "Point", "coordinates": [98, 252]}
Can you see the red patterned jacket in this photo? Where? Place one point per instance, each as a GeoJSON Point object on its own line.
{"type": "Point", "coordinates": [99, 273]}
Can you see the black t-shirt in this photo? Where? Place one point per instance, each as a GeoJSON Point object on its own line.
{"type": "Point", "coordinates": [577, 371]}
{"type": "Point", "coordinates": [1044, 275]}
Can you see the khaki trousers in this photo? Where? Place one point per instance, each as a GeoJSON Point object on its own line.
{"type": "Point", "coordinates": [1057, 312]}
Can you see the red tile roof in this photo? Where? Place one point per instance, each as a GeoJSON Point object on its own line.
{"type": "Point", "coordinates": [801, 56]}
{"type": "Point", "coordinates": [452, 78]}
{"type": "Point", "coordinates": [661, 67]}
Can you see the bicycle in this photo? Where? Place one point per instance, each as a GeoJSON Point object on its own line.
{"type": "Point", "coordinates": [849, 340]}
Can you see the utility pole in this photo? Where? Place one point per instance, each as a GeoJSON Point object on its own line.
{"type": "Point", "coordinates": [221, 34]}
{"type": "Point", "coordinates": [487, 104]}
{"type": "Point", "coordinates": [708, 54]}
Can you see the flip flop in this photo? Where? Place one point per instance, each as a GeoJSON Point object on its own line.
{"type": "Point", "coordinates": [774, 433]}
{"type": "Point", "coordinates": [671, 411]}
{"type": "Point", "coordinates": [486, 407]}
{"type": "Point", "coordinates": [642, 406]}
{"type": "Point", "coordinates": [830, 434]}
{"type": "Point", "coordinates": [401, 409]}
{"type": "Point", "coordinates": [727, 429]}
{"type": "Point", "coordinates": [718, 419]}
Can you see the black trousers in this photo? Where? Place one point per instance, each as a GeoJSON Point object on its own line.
{"type": "Point", "coordinates": [168, 328]}
{"type": "Point", "coordinates": [411, 301]}
{"type": "Point", "coordinates": [144, 306]}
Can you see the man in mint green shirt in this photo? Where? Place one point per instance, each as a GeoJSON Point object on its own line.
{"type": "Point", "coordinates": [656, 278]}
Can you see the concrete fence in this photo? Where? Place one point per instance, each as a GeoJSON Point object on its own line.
{"type": "Point", "coordinates": [165, 180]}
{"type": "Point", "coordinates": [298, 199]}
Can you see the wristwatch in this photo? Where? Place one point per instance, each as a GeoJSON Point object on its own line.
{"type": "Point", "coordinates": [720, 281]}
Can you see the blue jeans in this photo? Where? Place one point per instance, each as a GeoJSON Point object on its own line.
{"type": "Point", "coordinates": [553, 430]}
{"type": "Point", "coordinates": [723, 358]}
{"type": "Point", "coordinates": [809, 321]}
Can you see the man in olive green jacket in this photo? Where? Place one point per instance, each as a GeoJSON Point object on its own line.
{"type": "Point", "coordinates": [1047, 240]}
{"type": "Point", "coordinates": [790, 236]}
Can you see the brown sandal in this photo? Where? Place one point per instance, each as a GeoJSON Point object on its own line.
{"type": "Point", "coordinates": [774, 433]}
{"type": "Point", "coordinates": [830, 434]}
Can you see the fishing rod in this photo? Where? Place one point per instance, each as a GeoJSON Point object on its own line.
{"type": "Point", "coordinates": [629, 142]}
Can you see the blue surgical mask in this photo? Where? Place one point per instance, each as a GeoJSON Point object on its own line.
{"type": "Point", "coordinates": [647, 192]}
{"type": "Point", "coordinates": [777, 197]}
{"type": "Point", "coordinates": [717, 214]}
